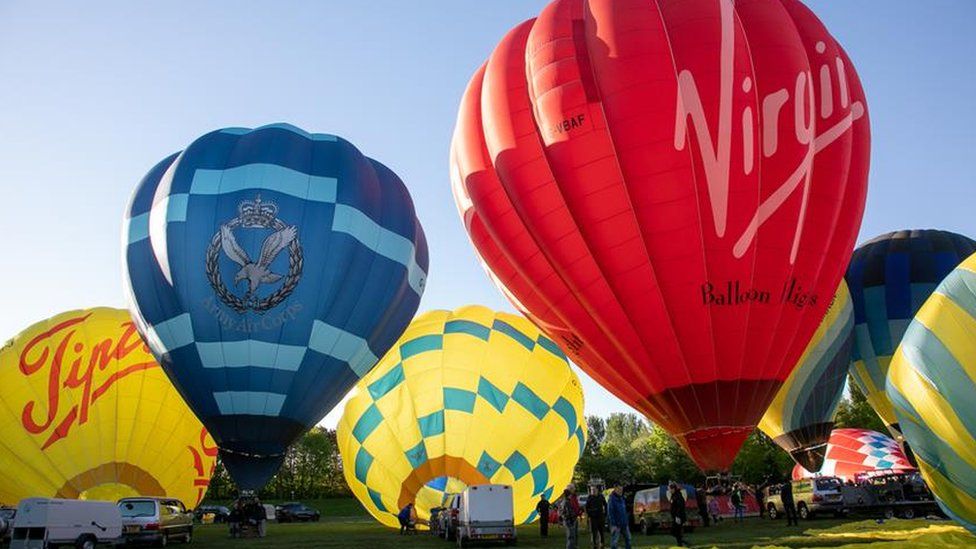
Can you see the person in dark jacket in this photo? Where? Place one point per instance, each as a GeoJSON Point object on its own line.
{"type": "Point", "coordinates": [678, 514]}
{"type": "Point", "coordinates": [789, 506]}
{"type": "Point", "coordinates": [702, 501]}
{"type": "Point", "coordinates": [619, 521]}
{"type": "Point", "coordinates": [596, 512]}
{"type": "Point", "coordinates": [542, 509]}
{"type": "Point", "coordinates": [405, 517]}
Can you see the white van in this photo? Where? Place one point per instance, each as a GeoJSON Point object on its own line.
{"type": "Point", "coordinates": [43, 522]}
{"type": "Point", "coordinates": [486, 512]}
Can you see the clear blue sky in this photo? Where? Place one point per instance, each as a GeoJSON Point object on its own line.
{"type": "Point", "coordinates": [93, 94]}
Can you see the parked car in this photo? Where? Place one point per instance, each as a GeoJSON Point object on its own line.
{"type": "Point", "coordinates": [449, 517]}
{"type": "Point", "coordinates": [486, 513]}
{"type": "Point", "coordinates": [7, 515]}
{"type": "Point", "coordinates": [219, 512]}
{"type": "Point", "coordinates": [43, 522]}
{"type": "Point", "coordinates": [155, 520]}
{"type": "Point", "coordinates": [652, 508]}
{"type": "Point", "coordinates": [296, 512]}
{"type": "Point", "coordinates": [811, 496]}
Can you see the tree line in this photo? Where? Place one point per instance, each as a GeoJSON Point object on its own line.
{"type": "Point", "coordinates": [621, 448]}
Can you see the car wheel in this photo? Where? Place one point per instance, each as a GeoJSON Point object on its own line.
{"type": "Point", "coordinates": [889, 512]}
{"type": "Point", "coordinates": [803, 512]}
{"type": "Point", "coordinates": [908, 513]}
{"type": "Point", "coordinates": [85, 542]}
{"type": "Point", "coordinates": [643, 527]}
{"type": "Point", "coordinates": [189, 536]}
{"type": "Point", "coordinates": [163, 541]}
{"type": "Point", "coordinates": [772, 512]}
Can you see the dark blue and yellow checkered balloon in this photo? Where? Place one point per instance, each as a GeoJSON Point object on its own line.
{"type": "Point", "coordinates": [465, 397]}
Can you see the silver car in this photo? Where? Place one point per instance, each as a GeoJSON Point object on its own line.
{"type": "Point", "coordinates": [155, 520]}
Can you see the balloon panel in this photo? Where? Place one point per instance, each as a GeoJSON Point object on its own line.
{"type": "Point", "coordinates": [890, 277]}
{"type": "Point", "coordinates": [465, 397]}
{"type": "Point", "coordinates": [932, 383]}
{"type": "Point", "coordinates": [88, 413]}
{"type": "Point", "coordinates": [268, 269]}
{"type": "Point", "coordinates": [616, 177]}
{"type": "Point", "coordinates": [801, 416]}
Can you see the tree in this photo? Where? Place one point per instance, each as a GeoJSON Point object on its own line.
{"type": "Point", "coordinates": [761, 460]}
{"type": "Point", "coordinates": [596, 431]}
{"type": "Point", "coordinates": [855, 412]}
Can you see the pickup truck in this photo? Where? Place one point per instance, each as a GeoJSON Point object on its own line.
{"type": "Point", "coordinates": [486, 513]}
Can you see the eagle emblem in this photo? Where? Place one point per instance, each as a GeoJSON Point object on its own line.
{"type": "Point", "coordinates": [253, 274]}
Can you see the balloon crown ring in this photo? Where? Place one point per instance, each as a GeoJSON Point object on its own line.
{"type": "Point", "coordinates": [255, 213]}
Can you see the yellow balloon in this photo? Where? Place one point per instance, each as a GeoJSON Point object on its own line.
{"type": "Point", "coordinates": [86, 412]}
{"type": "Point", "coordinates": [470, 396]}
{"type": "Point", "coordinates": [932, 385]}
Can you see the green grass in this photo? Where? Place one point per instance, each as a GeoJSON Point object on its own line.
{"type": "Point", "coordinates": [358, 531]}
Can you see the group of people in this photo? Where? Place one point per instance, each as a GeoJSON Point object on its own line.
{"type": "Point", "coordinates": [602, 513]}
{"type": "Point", "coordinates": [247, 516]}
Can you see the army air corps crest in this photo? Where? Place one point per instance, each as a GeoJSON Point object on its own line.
{"type": "Point", "coordinates": [255, 273]}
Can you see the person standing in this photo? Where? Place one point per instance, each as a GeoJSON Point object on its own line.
{"type": "Point", "coordinates": [569, 512]}
{"type": "Point", "coordinates": [702, 501]}
{"type": "Point", "coordinates": [542, 509]}
{"type": "Point", "coordinates": [619, 521]}
{"type": "Point", "coordinates": [737, 504]}
{"type": "Point", "coordinates": [678, 514]}
{"type": "Point", "coordinates": [789, 506]}
{"type": "Point", "coordinates": [596, 512]}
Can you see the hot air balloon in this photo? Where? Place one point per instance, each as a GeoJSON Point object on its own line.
{"type": "Point", "coordinates": [671, 191]}
{"type": "Point", "coordinates": [851, 452]}
{"type": "Point", "coordinates": [87, 413]}
{"type": "Point", "coordinates": [268, 269]}
{"type": "Point", "coordinates": [801, 416]}
{"type": "Point", "coordinates": [932, 384]}
{"type": "Point", "coordinates": [890, 277]}
{"type": "Point", "coordinates": [465, 397]}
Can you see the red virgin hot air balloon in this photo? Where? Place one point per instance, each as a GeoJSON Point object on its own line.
{"type": "Point", "coordinates": [671, 190]}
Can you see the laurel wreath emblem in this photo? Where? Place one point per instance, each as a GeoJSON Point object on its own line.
{"type": "Point", "coordinates": [296, 262]}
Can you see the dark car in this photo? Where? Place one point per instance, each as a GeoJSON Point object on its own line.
{"type": "Point", "coordinates": [219, 512]}
{"type": "Point", "coordinates": [296, 512]}
{"type": "Point", "coordinates": [7, 515]}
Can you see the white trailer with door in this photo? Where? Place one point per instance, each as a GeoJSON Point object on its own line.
{"type": "Point", "coordinates": [486, 513]}
{"type": "Point", "coordinates": [43, 522]}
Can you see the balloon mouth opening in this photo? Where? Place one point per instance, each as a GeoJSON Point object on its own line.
{"type": "Point", "coordinates": [105, 481]}
{"type": "Point", "coordinates": [448, 467]}
{"type": "Point", "coordinates": [110, 491]}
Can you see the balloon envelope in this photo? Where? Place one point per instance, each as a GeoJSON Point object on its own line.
{"type": "Point", "coordinates": [890, 277]}
{"type": "Point", "coordinates": [854, 451]}
{"type": "Point", "coordinates": [801, 416]}
{"type": "Point", "coordinates": [88, 413]}
{"type": "Point", "coordinates": [671, 191]}
{"type": "Point", "coordinates": [932, 384]}
{"type": "Point", "coordinates": [268, 269]}
{"type": "Point", "coordinates": [465, 397]}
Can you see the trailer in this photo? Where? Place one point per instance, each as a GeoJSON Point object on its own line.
{"type": "Point", "coordinates": [890, 494]}
{"type": "Point", "coordinates": [486, 513]}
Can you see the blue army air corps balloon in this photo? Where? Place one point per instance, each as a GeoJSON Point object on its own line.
{"type": "Point", "coordinates": [268, 269]}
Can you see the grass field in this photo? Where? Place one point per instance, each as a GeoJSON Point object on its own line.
{"type": "Point", "coordinates": [345, 524]}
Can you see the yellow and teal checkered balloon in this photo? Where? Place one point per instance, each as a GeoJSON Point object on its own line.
{"type": "Point", "coordinates": [465, 397]}
{"type": "Point", "coordinates": [932, 385]}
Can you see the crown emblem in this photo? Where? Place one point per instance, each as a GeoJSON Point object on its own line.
{"type": "Point", "coordinates": [255, 213]}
